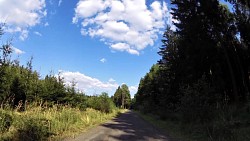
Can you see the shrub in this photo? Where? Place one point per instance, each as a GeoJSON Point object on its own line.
{"type": "Point", "coordinates": [102, 103]}
{"type": "Point", "coordinates": [5, 121]}
{"type": "Point", "coordinates": [198, 103]}
{"type": "Point", "coordinates": [32, 130]}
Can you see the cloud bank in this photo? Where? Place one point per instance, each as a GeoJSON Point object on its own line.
{"type": "Point", "coordinates": [92, 86]}
{"type": "Point", "coordinates": [88, 84]}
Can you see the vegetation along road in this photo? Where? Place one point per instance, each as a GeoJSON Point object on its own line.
{"type": "Point", "coordinates": [127, 126]}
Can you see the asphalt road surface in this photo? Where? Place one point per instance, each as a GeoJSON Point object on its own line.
{"type": "Point", "coordinates": [126, 127]}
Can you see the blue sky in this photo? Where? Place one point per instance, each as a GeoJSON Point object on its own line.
{"type": "Point", "coordinates": [100, 44]}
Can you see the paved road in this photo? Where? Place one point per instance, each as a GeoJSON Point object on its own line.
{"type": "Point", "coordinates": [126, 127]}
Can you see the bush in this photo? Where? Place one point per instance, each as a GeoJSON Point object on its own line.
{"type": "Point", "coordinates": [32, 130]}
{"type": "Point", "coordinates": [221, 131]}
{"type": "Point", "coordinates": [102, 103]}
{"type": "Point", "coordinates": [199, 101]}
{"type": "Point", "coordinates": [5, 121]}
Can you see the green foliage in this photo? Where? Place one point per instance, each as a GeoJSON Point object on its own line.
{"type": "Point", "coordinates": [20, 84]}
{"type": "Point", "coordinates": [149, 91]}
{"type": "Point", "coordinates": [5, 121]}
{"type": "Point", "coordinates": [122, 97]}
{"type": "Point", "coordinates": [102, 103]}
{"type": "Point", "coordinates": [203, 73]}
{"type": "Point", "coordinates": [39, 123]}
{"type": "Point", "coordinates": [199, 102]}
{"type": "Point", "coordinates": [32, 129]}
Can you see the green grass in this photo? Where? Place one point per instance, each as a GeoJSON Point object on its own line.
{"type": "Point", "coordinates": [54, 123]}
{"type": "Point", "coordinates": [171, 128]}
{"type": "Point", "coordinates": [218, 130]}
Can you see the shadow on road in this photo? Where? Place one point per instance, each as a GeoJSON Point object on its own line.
{"type": "Point", "coordinates": [129, 126]}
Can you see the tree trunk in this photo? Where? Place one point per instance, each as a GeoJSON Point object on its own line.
{"type": "Point", "coordinates": [232, 76]}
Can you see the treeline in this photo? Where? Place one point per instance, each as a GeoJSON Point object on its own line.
{"type": "Point", "coordinates": [202, 80]}
{"type": "Point", "coordinates": [21, 84]}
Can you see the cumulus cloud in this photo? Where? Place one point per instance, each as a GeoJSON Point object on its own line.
{"type": "Point", "coordinates": [17, 51]}
{"type": "Point", "coordinates": [88, 84]}
{"type": "Point", "coordinates": [21, 15]}
{"type": "Point", "coordinates": [127, 25]}
{"type": "Point", "coordinates": [103, 60]}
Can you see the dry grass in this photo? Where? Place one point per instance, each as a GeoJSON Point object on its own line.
{"type": "Point", "coordinates": [54, 123]}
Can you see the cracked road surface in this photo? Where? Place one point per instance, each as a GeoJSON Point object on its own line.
{"type": "Point", "coordinates": [126, 127]}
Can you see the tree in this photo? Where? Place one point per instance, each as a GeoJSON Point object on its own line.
{"type": "Point", "coordinates": [17, 94]}
{"type": "Point", "coordinates": [125, 96]}
{"type": "Point", "coordinates": [149, 92]}
{"type": "Point", "coordinates": [205, 45]}
{"type": "Point", "coordinates": [122, 97]}
{"type": "Point", "coordinates": [204, 69]}
{"type": "Point", "coordinates": [117, 97]}
{"type": "Point", "coordinates": [5, 51]}
{"type": "Point", "coordinates": [242, 16]}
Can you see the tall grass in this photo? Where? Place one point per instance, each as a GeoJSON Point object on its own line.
{"type": "Point", "coordinates": [48, 123]}
{"type": "Point", "coordinates": [229, 125]}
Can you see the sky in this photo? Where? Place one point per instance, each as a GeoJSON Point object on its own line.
{"type": "Point", "coordinates": [99, 44]}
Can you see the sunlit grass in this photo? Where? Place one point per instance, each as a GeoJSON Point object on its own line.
{"type": "Point", "coordinates": [53, 123]}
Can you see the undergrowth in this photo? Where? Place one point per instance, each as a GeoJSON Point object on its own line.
{"type": "Point", "coordinates": [230, 125]}
{"type": "Point", "coordinates": [48, 123]}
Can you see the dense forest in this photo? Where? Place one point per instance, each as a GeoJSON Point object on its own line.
{"type": "Point", "coordinates": [202, 80]}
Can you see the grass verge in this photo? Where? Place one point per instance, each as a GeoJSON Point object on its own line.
{"type": "Point", "coordinates": [54, 123]}
{"type": "Point", "coordinates": [172, 129]}
{"type": "Point", "coordinates": [214, 131]}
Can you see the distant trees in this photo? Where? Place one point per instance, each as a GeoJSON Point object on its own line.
{"type": "Point", "coordinates": [122, 97]}
{"type": "Point", "coordinates": [20, 84]}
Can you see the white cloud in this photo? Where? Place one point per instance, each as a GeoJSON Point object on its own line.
{"type": "Point", "coordinates": [103, 60]}
{"type": "Point", "coordinates": [59, 3]}
{"type": "Point", "coordinates": [46, 24]}
{"type": "Point", "coordinates": [111, 80]}
{"type": "Point", "coordinates": [24, 34]}
{"type": "Point", "coordinates": [124, 47]}
{"type": "Point", "coordinates": [171, 21]}
{"type": "Point", "coordinates": [88, 84]}
{"type": "Point", "coordinates": [133, 90]}
{"type": "Point", "coordinates": [127, 25]}
{"type": "Point", "coordinates": [120, 46]}
{"type": "Point", "coordinates": [88, 8]}
{"type": "Point", "coordinates": [38, 33]}
{"type": "Point", "coordinates": [17, 51]}
{"type": "Point", "coordinates": [133, 51]}
{"type": "Point", "coordinates": [21, 15]}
